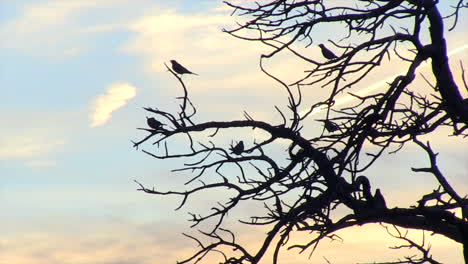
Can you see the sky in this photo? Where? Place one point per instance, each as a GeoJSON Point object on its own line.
{"type": "Point", "coordinates": [74, 77]}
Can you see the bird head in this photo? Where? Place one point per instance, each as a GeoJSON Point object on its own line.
{"type": "Point", "coordinates": [321, 45]}
{"type": "Point", "coordinates": [173, 61]}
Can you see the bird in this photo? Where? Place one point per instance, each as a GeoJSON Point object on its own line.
{"type": "Point", "coordinates": [153, 123]}
{"type": "Point", "coordinates": [329, 125]}
{"type": "Point", "coordinates": [328, 54]}
{"type": "Point", "coordinates": [180, 69]}
{"type": "Point", "coordinates": [379, 200]}
{"type": "Point", "coordinates": [238, 149]}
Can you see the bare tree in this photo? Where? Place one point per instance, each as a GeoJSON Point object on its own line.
{"type": "Point", "coordinates": [317, 175]}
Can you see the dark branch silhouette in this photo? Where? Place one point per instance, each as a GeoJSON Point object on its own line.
{"type": "Point", "coordinates": [325, 172]}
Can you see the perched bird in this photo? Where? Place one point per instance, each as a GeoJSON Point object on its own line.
{"type": "Point", "coordinates": [330, 126]}
{"type": "Point", "coordinates": [379, 200]}
{"type": "Point", "coordinates": [238, 149]}
{"type": "Point", "coordinates": [328, 54]}
{"type": "Point", "coordinates": [153, 123]}
{"type": "Point", "coordinates": [179, 68]}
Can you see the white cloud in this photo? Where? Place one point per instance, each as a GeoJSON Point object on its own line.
{"type": "Point", "coordinates": [117, 96]}
{"type": "Point", "coordinates": [41, 163]}
{"type": "Point", "coordinates": [56, 28]}
{"type": "Point", "coordinates": [197, 41]}
{"type": "Point", "coordinates": [170, 35]}
{"type": "Point", "coordinates": [27, 146]}
{"type": "Point", "coordinates": [39, 25]}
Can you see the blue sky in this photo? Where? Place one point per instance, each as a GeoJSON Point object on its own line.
{"type": "Point", "coordinates": [74, 76]}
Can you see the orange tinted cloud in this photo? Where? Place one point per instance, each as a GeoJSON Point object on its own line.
{"type": "Point", "coordinates": [122, 242]}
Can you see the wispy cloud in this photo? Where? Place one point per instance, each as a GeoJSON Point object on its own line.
{"type": "Point", "coordinates": [41, 164]}
{"type": "Point", "coordinates": [189, 37]}
{"type": "Point", "coordinates": [41, 25]}
{"type": "Point", "coordinates": [56, 28]}
{"type": "Point", "coordinates": [116, 96]}
{"type": "Point", "coordinates": [27, 146]}
{"type": "Point", "coordinates": [131, 243]}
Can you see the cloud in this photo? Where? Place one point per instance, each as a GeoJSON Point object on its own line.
{"type": "Point", "coordinates": [42, 25]}
{"type": "Point", "coordinates": [56, 28]}
{"type": "Point", "coordinates": [119, 243]}
{"type": "Point", "coordinates": [27, 146]}
{"type": "Point", "coordinates": [117, 96]}
{"type": "Point", "coordinates": [170, 35]}
{"type": "Point", "coordinates": [199, 43]}
{"type": "Point", "coordinates": [41, 163]}
{"type": "Point", "coordinates": [112, 243]}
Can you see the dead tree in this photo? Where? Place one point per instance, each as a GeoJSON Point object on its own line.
{"type": "Point", "coordinates": [327, 171]}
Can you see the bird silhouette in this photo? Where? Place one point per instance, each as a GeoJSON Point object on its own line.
{"type": "Point", "coordinates": [179, 68]}
{"type": "Point", "coordinates": [379, 200]}
{"type": "Point", "coordinates": [238, 149]}
{"type": "Point", "coordinates": [330, 126]}
{"type": "Point", "coordinates": [153, 123]}
{"type": "Point", "coordinates": [328, 54]}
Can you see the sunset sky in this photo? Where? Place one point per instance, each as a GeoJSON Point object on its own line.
{"type": "Point", "coordinates": [74, 76]}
